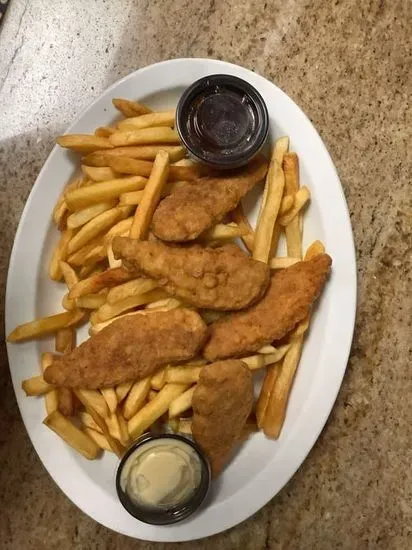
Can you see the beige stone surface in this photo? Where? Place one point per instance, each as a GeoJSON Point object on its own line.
{"type": "Point", "coordinates": [348, 65]}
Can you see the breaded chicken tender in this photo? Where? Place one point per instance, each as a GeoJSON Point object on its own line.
{"type": "Point", "coordinates": [222, 278]}
{"type": "Point", "coordinates": [130, 348]}
{"type": "Point", "coordinates": [288, 300]}
{"type": "Point", "coordinates": [197, 206]}
{"type": "Point", "coordinates": [222, 403]}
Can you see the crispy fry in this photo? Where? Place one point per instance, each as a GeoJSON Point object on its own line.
{"type": "Point", "coordinates": [154, 409]}
{"type": "Point", "coordinates": [103, 192]}
{"type": "Point", "coordinates": [74, 437]}
{"type": "Point", "coordinates": [110, 397]}
{"type": "Point", "coordinates": [145, 136]}
{"type": "Point", "coordinates": [266, 350]}
{"type": "Point", "coordinates": [239, 217]}
{"type": "Point", "coordinates": [65, 340]}
{"type": "Point", "coordinates": [281, 263]}
{"type": "Point", "coordinates": [265, 392]}
{"type": "Point", "coordinates": [124, 432]}
{"type": "Point", "coordinates": [83, 143]}
{"type": "Point", "coordinates": [45, 325]}
{"type": "Point", "coordinates": [122, 390]}
{"type": "Point", "coordinates": [104, 131]}
{"type": "Point", "coordinates": [98, 174]}
{"type": "Point", "coordinates": [67, 303]}
{"type": "Point", "coordinates": [69, 275]}
{"type": "Point", "coordinates": [130, 108]}
{"type": "Point", "coordinates": [152, 394]}
{"type": "Point", "coordinates": [131, 288]}
{"type": "Point", "coordinates": [51, 397]}
{"type": "Point", "coordinates": [181, 403]}
{"type": "Point", "coordinates": [133, 198]}
{"type": "Point", "coordinates": [107, 311]}
{"type": "Point", "coordinates": [87, 420]}
{"type": "Point", "coordinates": [99, 439]}
{"type": "Point", "coordinates": [96, 283]}
{"type": "Point", "coordinates": [125, 165]}
{"type": "Point", "coordinates": [91, 301]}
{"type": "Point", "coordinates": [36, 386]}
{"type": "Point", "coordinates": [292, 230]}
{"type": "Point", "coordinates": [222, 232]}
{"type": "Point", "coordinates": [286, 204]}
{"type": "Point", "coordinates": [143, 152]}
{"type": "Point", "coordinates": [183, 375]}
{"type": "Point", "coordinates": [61, 207]}
{"type": "Point", "coordinates": [88, 254]}
{"type": "Point", "coordinates": [151, 197]}
{"type": "Point", "coordinates": [301, 198]}
{"type": "Point", "coordinates": [122, 228]}
{"type": "Point", "coordinates": [112, 423]}
{"type": "Point", "coordinates": [158, 380]}
{"type": "Point", "coordinates": [81, 217]}
{"type": "Point", "coordinates": [150, 120]}
{"type": "Point", "coordinates": [165, 305]}
{"type": "Point", "coordinates": [136, 397]}
{"type": "Point", "coordinates": [262, 360]}
{"type": "Point", "coordinates": [95, 226]}
{"type": "Point", "coordinates": [94, 400]}
{"type": "Point", "coordinates": [59, 254]}
{"type": "Point", "coordinates": [65, 398]}
{"type": "Point", "coordinates": [278, 399]}
{"type": "Point", "coordinates": [275, 183]}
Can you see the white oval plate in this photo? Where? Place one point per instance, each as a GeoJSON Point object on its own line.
{"type": "Point", "coordinates": [262, 467]}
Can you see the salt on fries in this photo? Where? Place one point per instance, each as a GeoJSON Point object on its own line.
{"type": "Point", "coordinates": [126, 169]}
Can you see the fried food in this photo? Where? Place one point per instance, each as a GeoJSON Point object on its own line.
{"type": "Point", "coordinates": [197, 206]}
{"type": "Point", "coordinates": [219, 278]}
{"type": "Point", "coordinates": [130, 349]}
{"type": "Point", "coordinates": [222, 402]}
{"type": "Point", "coordinates": [288, 300]}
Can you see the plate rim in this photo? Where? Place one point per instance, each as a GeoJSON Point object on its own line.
{"type": "Point", "coordinates": [249, 508]}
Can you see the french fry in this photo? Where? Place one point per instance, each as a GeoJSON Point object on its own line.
{"type": "Point", "coordinates": [83, 143]}
{"type": "Point", "coordinates": [36, 386]}
{"type": "Point", "coordinates": [143, 152]}
{"type": "Point", "coordinates": [130, 108]}
{"type": "Point", "coordinates": [164, 305]}
{"type": "Point", "coordinates": [91, 301]}
{"type": "Point", "coordinates": [94, 400]}
{"type": "Point", "coordinates": [152, 394]}
{"type": "Point", "coordinates": [87, 420]}
{"type": "Point", "coordinates": [65, 399]}
{"type": "Point", "coordinates": [122, 390]}
{"type": "Point", "coordinates": [120, 229]}
{"type": "Point", "coordinates": [65, 340]}
{"type": "Point", "coordinates": [81, 217]}
{"type": "Point", "coordinates": [99, 281]}
{"type": "Point", "coordinates": [276, 408]}
{"type": "Point", "coordinates": [89, 254]}
{"type": "Point", "coordinates": [181, 403]}
{"type": "Point", "coordinates": [136, 397]}
{"type": "Point", "coordinates": [282, 263]}
{"type": "Point", "coordinates": [95, 226]}
{"type": "Point", "coordinates": [158, 380]}
{"type": "Point", "coordinates": [183, 375]}
{"type": "Point", "coordinates": [151, 197]}
{"type": "Point", "coordinates": [107, 311]}
{"type": "Point", "coordinates": [51, 397]}
{"type": "Point", "coordinates": [125, 165]}
{"type": "Point", "coordinates": [89, 270]}
{"type": "Point", "coordinates": [275, 183]}
{"type": "Point", "coordinates": [59, 254]}
{"type": "Point", "coordinates": [146, 136]}
{"type": "Point", "coordinates": [154, 409]}
{"type": "Point", "coordinates": [98, 326]}
{"type": "Point", "coordinates": [172, 425]}
{"type": "Point", "coordinates": [89, 400]}
{"type": "Point", "coordinates": [286, 204]}
{"type": "Point", "coordinates": [112, 423]}
{"type": "Point", "coordinates": [68, 304]}
{"type": "Point", "coordinates": [99, 439]}
{"type": "Point", "coordinates": [221, 232]}
{"type": "Point", "coordinates": [124, 432]}
{"type": "Point", "coordinates": [45, 326]}
{"type": "Point", "coordinates": [61, 207]}
{"type": "Point", "coordinates": [69, 275]}
{"type": "Point", "coordinates": [104, 131]}
{"type": "Point", "coordinates": [103, 192]}
{"type": "Point", "coordinates": [301, 199]}
{"type": "Point", "coordinates": [239, 217]}
{"type": "Point", "coordinates": [74, 437]}
{"type": "Point", "coordinates": [162, 118]}
{"type": "Point", "coordinates": [292, 230]}
{"type": "Point", "coordinates": [266, 350]}
{"type": "Point", "coordinates": [132, 199]}
{"type": "Point", "coordinates": [185, 425]}
{"type": "Point", "coordinates": [134, 287]}
{"type": "Point", "coordinates": [113, 263]}
{"type": "Point", "coordinates": [269, 381]}
{"type": "Point", "coordinates": [315, 249]}
{"type": "Point", "coordinates": [262, 360]}
{"type": "Point", "coordinates": [110, 397]}
{"type": "Point", "coordinates": [99, 173]}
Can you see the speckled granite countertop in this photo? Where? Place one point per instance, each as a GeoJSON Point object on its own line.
{"type": "Point", "coordinates": [348, 65]}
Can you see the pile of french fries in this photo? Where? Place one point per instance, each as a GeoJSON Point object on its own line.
{"type": "Point", "coordinates": [125, 171]}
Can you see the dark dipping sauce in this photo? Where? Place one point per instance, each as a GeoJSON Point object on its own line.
{"type": "Point", "coordinates": [222, 120]}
